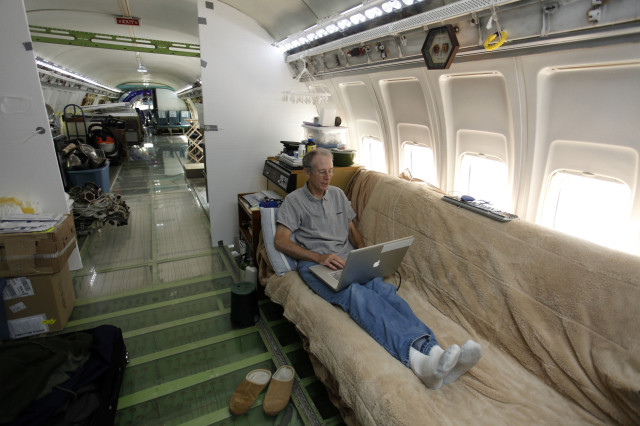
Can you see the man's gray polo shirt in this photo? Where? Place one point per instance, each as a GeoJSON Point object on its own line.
{"type": "Point", "coordinates": [319, 225]}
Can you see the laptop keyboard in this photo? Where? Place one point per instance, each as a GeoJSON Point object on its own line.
{"type": "Point", "coordinates": [336, 274]}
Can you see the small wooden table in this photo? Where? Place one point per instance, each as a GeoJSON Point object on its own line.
{"type": "Point", "coordinates": [249, 224]}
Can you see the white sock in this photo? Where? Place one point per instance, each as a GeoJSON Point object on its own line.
{"type": "Point", "coordinates": [470, 354]}
{"type": "Point", "coordinates": [432, 368]}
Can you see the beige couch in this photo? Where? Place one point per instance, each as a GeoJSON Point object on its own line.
{"type": "Point", "coordinates": [558, 319]}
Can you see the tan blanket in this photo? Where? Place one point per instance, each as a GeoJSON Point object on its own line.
{"type": "Point", "coordinates": [556, 318]}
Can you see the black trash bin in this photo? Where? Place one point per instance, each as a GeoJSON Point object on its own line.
{"type": "Point", "coordinates": [244, 304]}
{"type": "Point", "coordinates": [4, 327]}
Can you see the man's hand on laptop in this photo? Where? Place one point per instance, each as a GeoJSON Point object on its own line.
{"type": "Point", "coordinates": [332, 261]}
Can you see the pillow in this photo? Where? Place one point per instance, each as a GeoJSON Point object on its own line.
{"type": "Point", "coordinates": [280, 262]}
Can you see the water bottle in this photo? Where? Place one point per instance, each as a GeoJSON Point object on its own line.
{"type": "Point", "coordinates": [301, 150]}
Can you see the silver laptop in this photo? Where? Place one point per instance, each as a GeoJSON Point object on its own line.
{"type": "Point", "coordinates": [365, 264]}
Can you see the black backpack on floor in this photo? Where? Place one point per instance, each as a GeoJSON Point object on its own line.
{"type": "Point", "coordinates": [66, 379]}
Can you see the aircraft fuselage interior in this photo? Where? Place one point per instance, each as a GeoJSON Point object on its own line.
{"type": "Point", "coordinates": [153, 142]}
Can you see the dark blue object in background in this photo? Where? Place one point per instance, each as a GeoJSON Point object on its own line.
{"type": "Point", "coordinates": [4, 327]}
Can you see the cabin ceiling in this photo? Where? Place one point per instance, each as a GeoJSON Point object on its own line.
{"type": "Point", "coordinates": [160, 20]}
{"type": "Point", "coordinates": [166, 20]}
{"type": "Point", "coordinates": [281, 18]}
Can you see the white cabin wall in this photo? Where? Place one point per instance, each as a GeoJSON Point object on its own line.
{"type": "Point", "coordinates": [482, 111]}
{"type": "Point", "coordinates": [607, 98]}
{"type": "Point", "coordinates": [242, 86]}
{"type": "Point", "coordinates": [59, 98]}
{"type": "Point", "coordinates": [365, 117]}
{"type": "Point", "coordinates": [479, 103]}
{"type": "Point", "coordinates": [168, 101]}
{"type": "Point", "coordinates": [28, 165]}
{"type": "Point", "coordinates": [523, 101]}
{"type": "Point", "coordinates": [593, 104]}
{"type": "Point", "coordinates": [409, 109]}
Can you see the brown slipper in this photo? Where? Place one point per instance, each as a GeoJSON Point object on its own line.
{"type": "Point", "coordinates": [247, 392]}
{"type": "Point", "coordinates": [279, 390]}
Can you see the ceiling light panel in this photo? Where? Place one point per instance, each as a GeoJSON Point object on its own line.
{"type": "Point", "coordinates": [437, 15]}
{"type": "Point", "coordinates": [57, 68]}
{"type": "Point", "coordinates": [356, 15]}
{"type": "Point", "coordinates": [390, 6]}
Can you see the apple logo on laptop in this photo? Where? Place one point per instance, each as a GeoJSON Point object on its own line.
{"type": "Point", "coordinates": [375, 265]}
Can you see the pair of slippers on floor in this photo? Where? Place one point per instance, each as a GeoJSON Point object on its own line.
{"type": "Point", "coordinates": [277, 396]}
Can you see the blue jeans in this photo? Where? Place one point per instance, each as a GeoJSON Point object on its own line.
{"type": "Point", "coordinates": [378, 309]}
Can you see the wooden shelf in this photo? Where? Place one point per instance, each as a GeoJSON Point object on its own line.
{"type": "Point", "coordinates": [249, 224]}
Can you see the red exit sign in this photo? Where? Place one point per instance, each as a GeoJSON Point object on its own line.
{"type": "Point", "coordinates": [122, 20]}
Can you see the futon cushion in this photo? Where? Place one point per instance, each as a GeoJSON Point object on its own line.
{"type": "Point", "coordinates": [280, 262]}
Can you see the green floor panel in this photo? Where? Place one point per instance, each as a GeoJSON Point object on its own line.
{"type": "Point", "coordinates": [286, 333]}
{"type": "Point", "coordinates": [187, 404]}
{"type": "Point", "coordinates": [292, 347]}
{"type": "Point", "coordinates": [143, 299]}
{"type": "Point", "coordinates": [272, 311]}
{"type": "Point", "coordinates": [300, 361]}
{"type": "Point", "coordinates": [195, 344]}
{"type": "Point", "coordinates": [160, 280]}
{"type": "Point", "coordinates": [278, 322]}
{"type": "Point", "coordinates": [179, 224]}
{"type": "Point", "coordinates": [134, 170]}
{"type": "Point", "coordinates": [287, 417]}
{"type": "Point", "coordinates": [191, 362]}
{"type": "Point", "coordinates": [141, 182]}
{"type": "Point", "coordinates": [318, 394]}
{"type": "Point", "coordinates": [255, 416]}
{"type": "Point", "coordinates": [184, 269]}
{"type": "Point", "coordinates": [151, 190]}
{"type": "Point", "coordinates": [140, 320]}
{"type": "Point", "coordinates": [150, 307]}
{"type": "Point", "coordinates": [172, 337]}
{"type": "Point", "coordinates": [184, 383]}
{"type": "Point", "coordinates": [120, 245]}
{"type": "Point", "coordinates": [112, 282]}
{"type": "Point", "coordinates": [160, 180]}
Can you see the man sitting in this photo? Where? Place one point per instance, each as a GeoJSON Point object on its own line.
{"type": "Point", "coordinates": [322, 218]}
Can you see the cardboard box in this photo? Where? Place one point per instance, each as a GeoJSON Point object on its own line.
{"type": "Point", "coordinates": [37, 253]}
{"type": "Point", "coordinates": [38, 304]}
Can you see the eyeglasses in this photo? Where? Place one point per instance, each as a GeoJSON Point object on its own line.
{"type": "Point", "coordinates": [325, 173]}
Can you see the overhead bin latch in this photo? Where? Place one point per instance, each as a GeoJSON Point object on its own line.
{"type": "Point", "coordinates": [595, 13]}
{"type": "Point", "coordinates": [548, 9]}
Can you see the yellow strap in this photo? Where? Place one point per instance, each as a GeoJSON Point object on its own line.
{"type": "Point", "coordinates": [489, 46]}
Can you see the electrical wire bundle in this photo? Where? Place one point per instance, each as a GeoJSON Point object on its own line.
{"type": "Point", "coordinates": [92, 205]}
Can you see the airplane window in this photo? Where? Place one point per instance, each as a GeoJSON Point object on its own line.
{"type": "Point", "coordinates": [372, 154]}
{"type": "Point", "coordinates": [591, 207]}
{"type": "Point", "coordinates": [485, 178]}
{"type": "Point", "coordinates": [419, 160]}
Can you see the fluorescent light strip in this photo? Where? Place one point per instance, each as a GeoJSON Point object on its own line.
{"type": "Point", "coordinates": [70, 74]}
{"type": "Point", "coordinates": [184, 90]}
{"type": "Point", "coordinates": [343, 20]}
{"type": "Point", "coordinates": [439, 14]}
